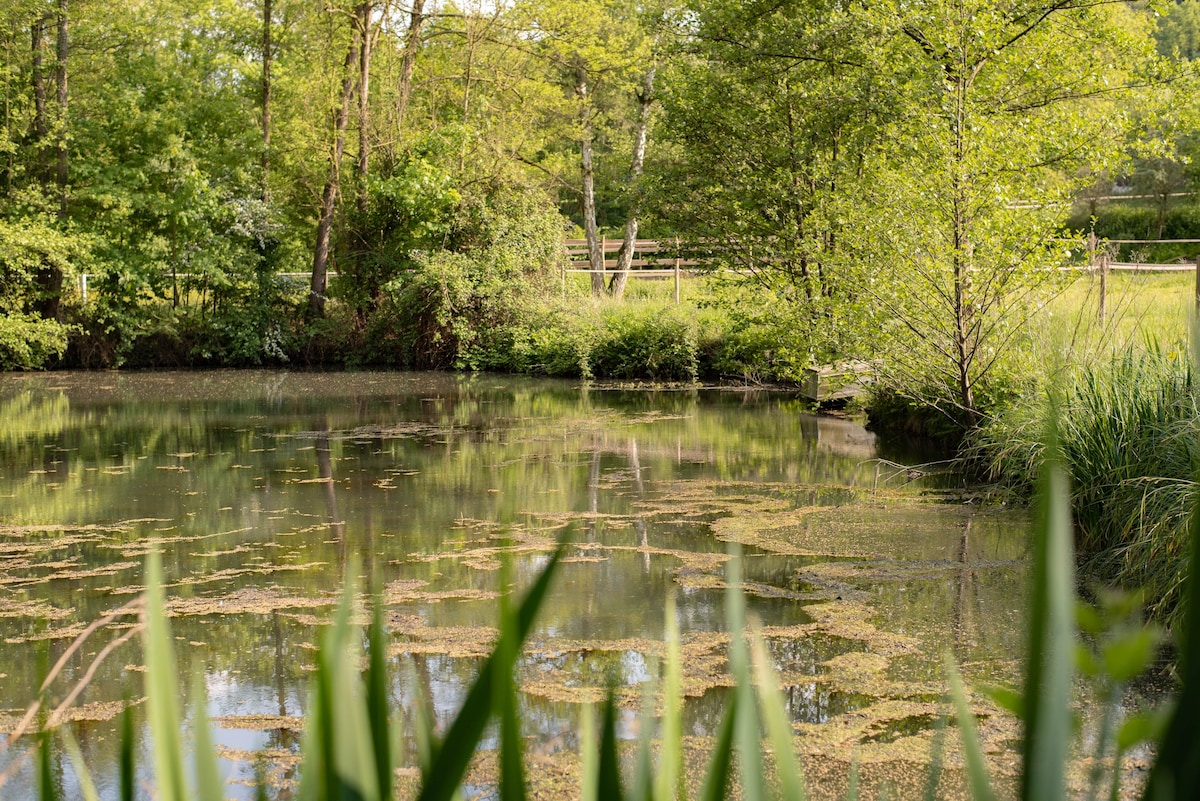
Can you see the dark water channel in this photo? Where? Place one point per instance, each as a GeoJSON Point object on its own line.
{"type": "Point", "coordinates": [261, 488]}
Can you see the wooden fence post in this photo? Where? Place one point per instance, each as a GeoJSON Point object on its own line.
{"type": "Point", "coordinates": [603, 257]}
{"type": "Point", "coordinates": [1103, 285]}
{"type": "Point", "coordinates": [1198, 283]}
{"type": "Point", "coordinates": [677, 271]}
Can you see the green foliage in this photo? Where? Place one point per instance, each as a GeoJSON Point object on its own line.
{"type": "Point", "coordinates": [645, 343]}
{"type": "Point", "coordinates": [30, 342]}
{"type": "Point", "coordinates": [1130, 446]}
{"type": "Point", "coordinates": [458, 308]}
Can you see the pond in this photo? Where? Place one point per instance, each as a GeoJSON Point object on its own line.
{"type": "Point", "coordinates": [261, 489]}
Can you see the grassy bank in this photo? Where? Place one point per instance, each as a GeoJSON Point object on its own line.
{"type": "Point", "coordinates": [1130, 425]}
{"type": "Point", "coordinates": [449, 317]}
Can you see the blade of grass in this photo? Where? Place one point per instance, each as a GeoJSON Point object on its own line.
{"type": "Point", "coordinates": [209, 785]}
{"type": "Point", "coordinates": [451, 757]}
{"type": "Point", "coordinates": [720, 765]}
{"type": "Point", "coordinates": [589, 770]}
{"type": "Point", "coordinates": [353, 750]}
{"type": "Point", "coordinates": [981, 786]}
{"type": "Point", "coordinates": [162, 703]}
{"type": "Point", "coordinates": [608, 770]}
{"type": "Point", "coordinates": [87, 787]}
{"type": "Point", "coordinates": [1176, 771]}
{"type": "Point", "coordinates": [746, 728]}
{"type": "Point", "coordinates": [852, 779]}
{"type": "Point", "coordinates": [125, 789]}
{"type": "Point", "coordinates": [377, 698]}
{"type": "Point", "coordinates": [779, 728]}
{"type": "Point", "coordinates": [935, 759]}
{"type": "Point", "coordinates": [512, 772]}
{"type": "Point", "coordinates": [1051, 648]}
{"type": "Point", "coordinates": [668, 784]}
{"type": "Point", "coordinates": [47, 790]}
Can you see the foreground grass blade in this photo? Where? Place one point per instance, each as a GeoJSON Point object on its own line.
{"type": "Point", "coordinates": [512, 772]}
{"type": "Point", "coordinates": [716, 781]}
{"type": "Point", "coordinates": [125, 789]}
{"type": "Point", "coordinates": [47, 789]}
{"type": "Point", "coordinates": [746, 731]}
{"type": "Point", "coordinates": [668, 784]}
{"type": "Point", "coordinates": [935, 759]}
{"type": "Point", "coordinates": [209, 785]}
{"type": "Point", "coordinates": [588, 755]}
{"type": "Point", "coordinates": [162, 703]}
{"type": "Point", "coordinates": [779, 728]}
{"type": "Point", "coordinates": [1051, 639]}
{"type": "Point", "coordinates": [981, 786]}
{"type": "Point", "coordinates": [1176, 772]}
{"type": "Point", "coordinates": [87, 787]}
{"type": "Point", "coordinates": [377, 699]}
{"type": "Point", "coordinates": [451, 757]}
{"type": "Point", "coordinates": [608, 771]}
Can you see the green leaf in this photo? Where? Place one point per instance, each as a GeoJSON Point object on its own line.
{"type": "Point", "coordinates": [87, 787]}
{"type": "Point", "coordinates": [1142, 727]}
{"type": "Point", "coordinates": [589, 755]}
{"type": "Point", "coordinates": [608, 770]}
{"type": "Point", "coordinates": [377, 699]}
{"type": "Point", "coordinates": [127, 773]}
{"type": "Point", "coordinates": [162, 702]}
{"type": "Point", "coordinates": [450, 759]}
{"type": "Point", "coordinates": [746, 728]}
{"type": "Point", "coordinates": [936, 751]}
{"type": "Point", "coordinates": [1006, 698]}
{"type": "Point", "coordinates": [209, 786]}
{"type": "Point", "coordinates": [779, 728]}
{"type": "Point", "coordinates": [716, 780]}
{"type": "Point", "coordinates": [1126, 656]}
{"type": "Point", "coordinates": [512, 772]}
{"type": "Point", "coordinates": [1051, 649]}
{"type": "Point", "coordinates": [668, 780]}
{"type": "Point", "coordinates": [981, 787]}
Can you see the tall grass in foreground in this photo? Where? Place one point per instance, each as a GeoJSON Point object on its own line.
{"type": "Point", "coordinates": [349, 746]}
{"type": "Point", "coordinates": [1130, 434]}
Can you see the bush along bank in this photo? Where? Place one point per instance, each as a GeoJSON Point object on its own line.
{"type": "Point", "coordinates": [1130, 434]}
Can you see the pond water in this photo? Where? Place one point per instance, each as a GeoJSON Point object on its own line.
{"type": "Point", "coordinates": [261, 489]}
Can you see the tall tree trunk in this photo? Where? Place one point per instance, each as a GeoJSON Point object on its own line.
{"type": "Point", "coordinates": [266, 101]}
{"type": "Point", "coordinates": [41, 127]}
{"type": "Point", "coordinates": [320, 271]}
{"type": "Point", "coordinates": [412, 42]}
{"type": "Point", "coordinates": [595, 251]}
{"type": "Point", "coordinates": [364, 105]}
{"type": "Point", "coordinates": [616, 286]}
{"type": "Point", "coordinates": [60, 75]}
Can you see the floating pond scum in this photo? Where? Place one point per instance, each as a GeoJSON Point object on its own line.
{"type": "Point", "coordinates": [451, 496]}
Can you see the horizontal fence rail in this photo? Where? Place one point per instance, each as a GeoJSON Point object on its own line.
{"type": "Point", "coordinates": [678, 258]}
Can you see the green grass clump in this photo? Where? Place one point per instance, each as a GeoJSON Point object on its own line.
{"type": "Point", "coordinates": [1130, 432]}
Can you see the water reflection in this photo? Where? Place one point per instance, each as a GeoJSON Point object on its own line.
{"type": "Point", "coordinates": [260, 488]}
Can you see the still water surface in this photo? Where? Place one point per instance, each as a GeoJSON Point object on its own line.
{"type": "Point", "coordinates": [261, 488]}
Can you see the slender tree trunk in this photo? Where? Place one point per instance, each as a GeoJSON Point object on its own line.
{"type": "Point", "coordinates": [964, 352]}
{"type": "Point", "coordinates": [595, 251]}
{"type": "Point", "coordinates": [266, 101]}
{"type": "Point", "coordinates": [320, 271]}
{"type": "Point", "coordinates": [412, 42]}
{"type": "Point", "coordinates": [41, 127]}
{"type": "Point", "coordinates": [616, 287]}
{"type": "Point", "coordinates": [60, 75]}
{"type": "Point", "coordinates": [364, 105]}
